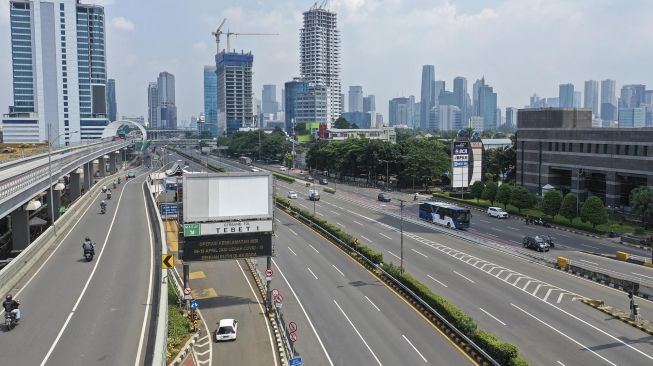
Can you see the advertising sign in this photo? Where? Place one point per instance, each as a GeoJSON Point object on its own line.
{"type": "Point", "coordinates": [225, 247]}
{"type": "Point", "coordinates": [235, 196]}
{"type": "Point", "coordinates": [168, 210]}
{"type": "Point", "coordinates": [460, 152]}
{"type": "Point", "coordinates": [477, 159]}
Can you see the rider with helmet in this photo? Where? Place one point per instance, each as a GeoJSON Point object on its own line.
{"type": "Point", "coordinates": [88, 245]}
{"type": "Point", "coordinates": [11, 307]}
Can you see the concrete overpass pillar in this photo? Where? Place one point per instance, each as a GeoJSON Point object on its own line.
{"type": "Point", "coordinates": [112, 163]}
{"type": "Point", "coordinates": [20, 228]}
{"type": "Point", "coordinates": [55, 201]}
{"type": "Point", "coordinates": [101, 166]}
{"type": "Point", "coordinates": [118, 157]}
{"type": "Point", "coordinates": [88, 176]}
{"type": "Point", "coordinates": [75, 184]}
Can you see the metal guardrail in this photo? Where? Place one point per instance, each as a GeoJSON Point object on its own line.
{"type": "Point", "coordinates": [14, 162]}
{"type": "Point", "coordinates": [423, 303]}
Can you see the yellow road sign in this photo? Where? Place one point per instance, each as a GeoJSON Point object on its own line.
{"type": "Point", "coordinates": [167, 261]}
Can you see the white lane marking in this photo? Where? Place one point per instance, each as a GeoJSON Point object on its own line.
{"type": "Point", "coordinates": [365, 238]}
{"type": "Point", "coordinates": [88, 281]}
{"type": "Point", "coordinates": [589, 246]}
{"type": "Point", "coordinates": [563, 334]}
{"type": "Point", "coordinates": [463, 277]}
{"type": "Point", "coordinates": [316, 251]}
{"type": "Point", "coordinates": [394, 255]}
{"type": "Point", "coordinates": [512, 228]}
{"type": "Point", "coordinates": [293, 231]}
{"type": "Point", "coordinates": [594, 263]}
{"type": "Point", "coordinates": [376, 307]}
{"type": "Point", "coordinates": [385, 236]}
{"type": "Point", "coordinates": [415, 348]}
{"type": "Point", "coordinates": [515, 241]}
{"type": "Point", "coordinates": [492, 316]}
{"type": "Point", "coordinates": [536, 289]}
{"type": "Point", "coordinates": [318, 213]}
{"type": "Point", "coordinates": [333, 212]}
{"type": "Point", "coordinates": [422, 254]}
{"type": "Point", "coordinates": [149, 286]}
{"type": "Point", "coordinates": [301, 204]}
{"type": "Point", "coordinates": [561, 234]}
{"type": "Point", "coordinates": [356, 222]}
{"type": "Point", "coordinates": [547, 294]}
{"type": "Point", "coordinates": [485, 221]}
{"type": "Point", "coordinates": [339, 271]}
{"type": "Point", "coordinates": [560, 297]}
{"type": "Point", "coordinates": [492, 235]}
{"type": "Point", "coordinates": [560, 363]}
{"type": "Point", "coordinates": [357, 332]}
{"type": "Point", "coordinates": [429, 276]}
{"type": "Point", "coordinates": [638, 274]}
{"type": "Point", "coordinates": [305, 314]}
{"type": "Point", "coordinates": [293, 252]}
{"type": "Point", "coordinates": [277, 219]}
{"type": "Point", "coordinates": [309, 269]}
{"type": "Point", "coordinates": [260, 306]}
{"type": "Point", "coordinates": [340, 224]}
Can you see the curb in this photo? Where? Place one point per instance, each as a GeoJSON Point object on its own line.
{"type": "Point", "coordinates": [185, 350]}
{"type": "Point", "coordinates": [600, 306]}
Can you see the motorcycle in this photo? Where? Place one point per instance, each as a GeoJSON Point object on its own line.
{"type": "Point", "coordinates": [10, 321]}
{"type": "Point", "coordinates": [415, 197]}
{"type": "Point", "coordinates": [103, 209]}
{"type": "Point", "coordinates": [549, 241]}
{"type": "Point", "coordinates": [541, 222]}
{"type": "Point", "coordinates": [118, 180]}
{"type": "Point", "coordinates": [108, 195]}
{"type": "Point", "coordinates": [88, 254]}
{"type": "Point", "coordinates": [114, 185]}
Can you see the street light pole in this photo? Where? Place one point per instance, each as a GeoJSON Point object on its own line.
{"type": "Point", "coordinates": [54, 227]}
{"type": "Point", "coordinates": [401, 228]}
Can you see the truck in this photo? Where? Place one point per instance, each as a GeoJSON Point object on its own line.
{"type": "Point", "coordinates": [245, 160]}
{"type": "Point", "coordinates": [206, 150]}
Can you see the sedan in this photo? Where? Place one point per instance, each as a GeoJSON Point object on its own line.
{"type": "Point", "coordinates": [292, 194]}
{"type": "Point", "coordinates": [227, 330]}
{"type": "Point", "coordinates": [131, 175]}
{"type": "Point", "coordinates": [324, 181]}
{"type": "Point", "coordinates": [537, 243]}
{"type": "Point", "coordinates": [384, 197]}
{"type": "Point", "coordinates": [283, 168]}
{"type": "Point", "coordinates": [497, 212]}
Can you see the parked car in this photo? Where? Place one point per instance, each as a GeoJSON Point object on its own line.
{"type": "Point", "coordinates": [497, 212]}
{"type": "Point", "coordinates": [324, 181]}
{"type": "Point", "coordinates": [537, 243]}
{"type": "Point", "coordinates": [310, 178]}
{"type": "Point", "coordinates": [384, 197]}
{"type": "Point", "coordinates": [227, 330]}
{"type": "Point", "coordinates": [292, 194]}
{"type": "Point", "coordinates": [313, 195]}
{"type": "Point", "coordinates": [283, 168]}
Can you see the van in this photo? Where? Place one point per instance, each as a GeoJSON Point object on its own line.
{"type": "Point", "coordinates": [313, 195]}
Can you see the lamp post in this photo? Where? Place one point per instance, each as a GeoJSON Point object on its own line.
{"type": "Point", "coordinates": [387, 171]}
{"type": "Point", "coordinates": [401, 229]}
{"type": "Point", "coordinates": [580, 173]}
{"type": "Point", "coordinates": [54, 227]}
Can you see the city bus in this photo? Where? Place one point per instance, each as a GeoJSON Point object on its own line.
{"type": "Point", "coordinates": [445, 214]}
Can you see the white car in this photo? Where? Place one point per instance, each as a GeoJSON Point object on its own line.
{"type": "Point", "coordinates": [292, 194]}
{"type": "Point", "coordinates": [497, 212]}
{"type": "Point", "coordinates": [227, 330]}
{"type": "Point", "coordinates": [283, 168]}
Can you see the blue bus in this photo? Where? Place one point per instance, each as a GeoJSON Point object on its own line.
{"type": "Point", "coordinates": [445, 214]}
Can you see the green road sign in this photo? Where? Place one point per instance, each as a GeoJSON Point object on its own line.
{"type": "Point", "coordinates": [191, 229]}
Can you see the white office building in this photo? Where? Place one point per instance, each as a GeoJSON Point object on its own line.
{"type": "Point", "coordinates": [59, 72]}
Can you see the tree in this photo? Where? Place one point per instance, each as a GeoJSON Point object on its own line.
{"type": "Point", "coordinates": [551, 202]}
{"type": "Point", "coordinates": [522, 198]}
{"type": "Point", "coordinates": [503, 194]}
{"type": "Point", "coordinates": [300, 128]}
{"type": "Point", "coordinates": [641, 200]}
{"type": "Point", "coordinates": [354, 126]}
{"type": "Point", "coordinates": [490, 192]}
{"type": "Point", "coordinates": [477, 189]}
{"type": "Point", "coordinates": [568, 207]}
{"type": "Point", "coordinates": [341, 122]}
{"type": "Point", "coordinates": [594, 212]}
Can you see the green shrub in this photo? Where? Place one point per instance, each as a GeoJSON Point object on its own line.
{"type": "Point", "coordinates": [329, 190]}
{"type": "Point", "coordinates": [392, 269]}
{"type": "Point", "coordinates": [284, 177]}
{"type": "Point", "coordinates": [519, 362]}
{"type": "Point", "coordinates": [371, 254]}
{"type": "Point", "coordinates": [500, 351]}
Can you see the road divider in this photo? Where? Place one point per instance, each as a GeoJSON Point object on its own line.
{"type": "Point", "coordinates": [329, 190]}
{"type": "Point", "coordinates": [283, 177]}
{"type": "Point", "coordinates": [198, 161]}
{"type": "Point", "coordinates": [643, 325]}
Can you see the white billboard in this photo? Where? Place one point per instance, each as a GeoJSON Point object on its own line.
{"type": "Point", "coordinates": [460, 164]}
{"type": "Point", "coordinates": [215, 197]}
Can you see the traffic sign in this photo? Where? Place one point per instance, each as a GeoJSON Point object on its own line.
{"type": "Point", "coordinates": [278, 299]}
{"type": "Point", "coordinates": [292, 327]}
{"type": "Point", "coordinates": [275, 293]}
{"type": "Point", "coordinates": [194, 305]}
{"type": "Point", "coordinates": [268, 273]}
{"type": "Point", "coordinates": [191, 229]}
{"type": "Point", "coordinates": [187, 291]}
{"type": "Point", "coordinates": [296, 361]}
{"type": "Point", "coordinates": [167, 261]}
{"type": "Point", "coordinates": [293, 337]}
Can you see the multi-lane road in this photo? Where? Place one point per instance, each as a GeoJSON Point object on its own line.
{"type": "Point", "coordinates": [90, 313]}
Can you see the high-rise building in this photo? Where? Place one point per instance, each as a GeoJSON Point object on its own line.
{"type": "Point", "coordinates": [167, 109]}
{"type": "Point", "coordinates": [355, 98]}
{"type": "Point", "coordinates": [427, 96]}
{"type": "Point", "coordinates": [342, 101]}
{"type": "Point", "coordinates": [498, 118]}
{"type": "Point", "coordinates": [486, 105]}
{"type": "Point", "coordinates": [292, 91]}
{"type": "Point", "coordinates": [439, 88]}
{"type": "Point", "coordinates": [511, 117]}
{"type": "Point", "coordinates": [609, 100]}
{"type": "Point", "coordinates": [578, 99]}
{"type": "Point", "coordinates": [112, 105]}
{"type": "Point", "coordinates": [398, 111]}
{"type": "Point", "coordinates": [449, 118]}
{"type": "Point", "coordinates": [235, 105]}
{"type": "Point", "coordinates": [460, 93]}
{"type": "Point", "coordinates": [566, 95]}
{"type": "Point", "coordinates": [446, 98]}
{"type": "Point", "coordinates": [320, 55]}
{"type": "Point", "coordinates": [269, 102]}
{"type": "Point", "coordinates": [475, 93]}
{"type": "Point", "coordinates": [311, 106]}
{"type": "Point", "coordinates": [59, 82]}
{"type": "Point", "coordinates": [210, 101]}
{"type": "Point", "coordinates": [152, 105]}
{"type": "Point", "coordinates": [632, 96]}
{"type": "Point", "coordinates": [632, 117]}
{"type": "Point", "coordinates": [369, 103]}
{"type": "Point", "coordinates": [592, 96]}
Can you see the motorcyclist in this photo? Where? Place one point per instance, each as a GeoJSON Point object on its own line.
{"type": "Point", "coordinates": [415, 197]}
{"type": "Point", "coordinates": [118, 180]}
{"type": "Point", "coordinates": [103, 205]}
{"type": "Point", "coordinates": [108, 194]}
{"type": "Point", "coordinates": [104, 189]}
{"type": "Point", "coordinates": [114, 184]}
{"type": "Point", "coordinates": [11, 307]}
{"type": "Point", "coordinates": [88, 245]}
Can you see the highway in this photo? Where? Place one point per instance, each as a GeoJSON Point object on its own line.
{"type": "Point", "coordinates": [520, 301]}
{"type": "Point", "coordinates": [90, 313]}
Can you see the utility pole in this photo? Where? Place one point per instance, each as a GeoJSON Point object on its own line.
{"type": "Point", "coordinates": [401, 228]}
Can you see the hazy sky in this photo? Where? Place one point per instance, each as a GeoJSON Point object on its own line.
{"type": "Point", "coordinates": [520, 46]}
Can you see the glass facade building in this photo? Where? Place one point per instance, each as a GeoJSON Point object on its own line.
{"type": "Point", "coordinates": [211, 100]}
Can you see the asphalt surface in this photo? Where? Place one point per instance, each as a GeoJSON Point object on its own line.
{"type": "Point", "coordinates": [89, 313]}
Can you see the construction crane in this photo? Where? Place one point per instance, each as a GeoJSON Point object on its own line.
{"type": "Point", "coordinates": [217, 34]}
{"type": "Point", "coordinates": [229, 34]}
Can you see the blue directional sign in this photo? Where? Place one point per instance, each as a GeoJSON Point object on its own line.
{"type": "Point", "coordinates": [168, 210]}
{"type": "Point", "coordinates": [297, 361]}
{"type": "Point", "coordinates": [194, 305]}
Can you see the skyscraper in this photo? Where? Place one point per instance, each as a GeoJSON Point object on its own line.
{"type": "Point", "coordinates": [427, 96]}
{"type": "Point", "coordinates": [112, 106]}
{"type": "Point", "coordinates": [511, 117]}
{"type": "Point", "coordinates": [632, 117]}
{"type": "Point", "coordinates": [439, 87]}
{"type": "Point", "coordinates": [355, 98]}
{"type": "Point", "coordinates": [398, 111]}
{"type": "Point", "coordinates": [608, 100]}
{"type": "Point", "coordinates": [487, 105]}
{"type": "Point", "coordinates": [566, 95]}
{"type": "Point", "coordinates": [58, 81]}
{"type": "Point", "coordinates": [152, 105]}
{"type": "Point", "coordinates": [320, 55]}
{"type": "Point", "coordinates": [578, 99]}
{"type": "Point", "coordinates": [293, 89]}
{"type": "Point", "coordinates": [369, 103]}
{"type": "Point", "coordinates": [167, 109]}
{"type": "Point", "coordinates": [235, 106]}
{"type": "Point", "coordinates": [632, 96]}
{"type": "Point", "coordinates": [592, 96]}
{"type": "Point", "coordinates": [269, 102]}
{"type": "Point", "coordinates": [460, 93]}
{"type": "Point", "coordinates": [210, 100]}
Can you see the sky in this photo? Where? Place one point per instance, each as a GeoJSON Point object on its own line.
{"type": "Point", "coordinates": [521, 47]}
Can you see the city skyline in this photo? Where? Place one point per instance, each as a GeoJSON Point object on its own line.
{"type": "Point", "coordinates": [131, 59]}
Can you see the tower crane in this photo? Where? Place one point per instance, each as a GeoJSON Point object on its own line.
{"type": "Point", "coordinates": [229, 34]}
{"type": "Point", "coordinates": [217, 34]}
